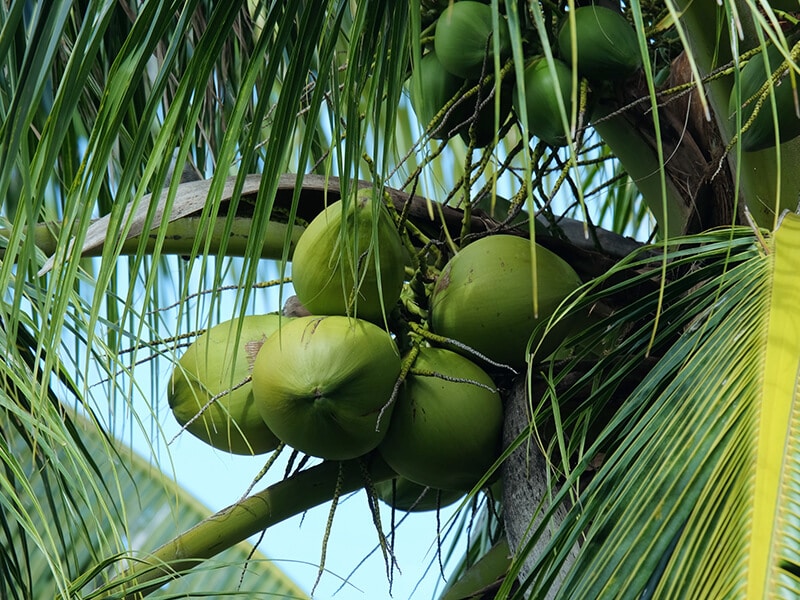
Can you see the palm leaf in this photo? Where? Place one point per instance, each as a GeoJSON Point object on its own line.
{"type": "Point", "coordinates": [699, 457]}
{"type": "Point", "coordinates": [773, 559]}
{"type": "Point", "coordinates": [146, 500]}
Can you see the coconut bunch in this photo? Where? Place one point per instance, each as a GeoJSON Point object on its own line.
{"type": "Point", "coordinates": [375, 367]}
{"type": "Point", "coordinates": [597, 41]}
{"type": "Point", "coordinates": [454, 85]}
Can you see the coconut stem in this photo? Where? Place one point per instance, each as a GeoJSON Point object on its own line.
{"type": "Point", "coordinates": [247, 517]}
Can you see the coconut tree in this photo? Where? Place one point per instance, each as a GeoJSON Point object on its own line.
{"type": "Point", "coordinates": [153, 150]}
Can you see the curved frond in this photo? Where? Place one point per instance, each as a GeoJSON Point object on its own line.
{"type": "Point", "coordinates": [697, 463]}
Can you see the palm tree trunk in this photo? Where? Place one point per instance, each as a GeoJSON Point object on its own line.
{"type": "Point", "coordinates": [526, 489]}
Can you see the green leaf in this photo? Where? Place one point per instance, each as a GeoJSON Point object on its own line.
{"type": "Point", "coordinates": [135, 493]}
{"type": "Point", "coordinates": [773, 567]}
{"type": "Point", "coordinates": [697, 489]}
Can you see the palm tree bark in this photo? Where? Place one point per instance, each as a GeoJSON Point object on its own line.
{"type": "Point", "coordinates": [527, 488]}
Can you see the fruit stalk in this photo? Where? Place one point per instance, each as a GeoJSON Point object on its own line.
{"type": "Point", "coordinates": [257, 512]}
{"type": "Point", "coordinates": [315, 190]}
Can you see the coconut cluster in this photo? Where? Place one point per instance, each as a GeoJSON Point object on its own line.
{"type": "Point", "coordinates": [363, 372]}
{"type": "Point", "coordinates": [453, 84]}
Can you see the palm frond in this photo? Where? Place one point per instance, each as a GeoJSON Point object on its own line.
{"type": "Point", "coordinates": [136, 493]}
{"type": "Point", "coordinates": [697, 459]}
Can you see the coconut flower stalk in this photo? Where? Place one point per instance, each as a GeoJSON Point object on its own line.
{"type": "Point", "coordinates": [287, 498]}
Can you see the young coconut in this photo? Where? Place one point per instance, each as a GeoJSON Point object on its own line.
{"type": "Point", "coordinates": [403, 494]}
{"type": "Point", "coordinates": [541, 99]}
{"type": "Point", "coordinates": [607, 46]}
{"type": "Point", "coordinates": [209, 368]}
{"type": "Point", "coordinates": [463, 39]}
{"type": "Point", "coordinates": [447, 422]}
{"type": "Point", "coordinates": [321, 384]}
{"type": "Point", "coordinates": [439, 86]}
{"type": "Point", "coordinates": [484, 298]}
{"type": "Point", "coordinates": [339, 268]}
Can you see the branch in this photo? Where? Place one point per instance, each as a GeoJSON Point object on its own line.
{"type": "Point", "coordinates": [317, 192]}
{"type": "Point", "coordinates": [234, 524]}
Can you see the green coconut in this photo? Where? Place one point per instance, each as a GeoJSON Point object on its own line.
{"type": "Point", "coordinates": [217, 362]}
{"type": "Point", "coordinates": [541, 99]}
{"type": "Point", "coordinates": [462, 39]}
{"type": "Point", "coordinates": [484, 298]}
{"type": "Point", "coordinates": [761, 133]}
{"type": "Point", "coordinates": [402, 494]}
{"type": "Point", "coordinates": [321, 384]}
{"type": "Point", "coordinates": [339, 268]}
{"type": "Point", "coordinates": [607, 46]}
{"type": "Point", "coordinates": [447, 423]}
{"type": "Point", "coordinates": [439, 86]}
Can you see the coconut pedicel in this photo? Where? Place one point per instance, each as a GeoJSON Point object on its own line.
{"type": "Point", "coordinates": [321, 384]}
{"type": "Point", "coordinates": [210, 393]}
